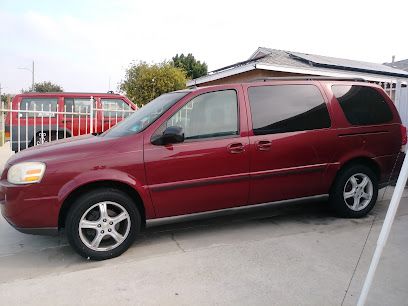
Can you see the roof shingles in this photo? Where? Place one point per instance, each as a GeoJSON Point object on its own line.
{"type": "Point", "coordinates": [402, 65]}
{"type": "Point", "coordinates": [281, 60]}
{"type": "Point", "coordinates": [302, 60]}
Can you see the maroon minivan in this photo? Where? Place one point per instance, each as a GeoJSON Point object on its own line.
{"type": "Point", "coordinates": [206, 149]}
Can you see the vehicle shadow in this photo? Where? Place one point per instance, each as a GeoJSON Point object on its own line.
{"type": "Point", "coordinates": [317, 209]}
{"type": "Point", "coordinates": [239, 225]}
{"type": "Point", "coordinates": [182, 234]}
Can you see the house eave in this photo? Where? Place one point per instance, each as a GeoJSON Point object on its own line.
{"type": "Point", "coordinates": [221, 74]}
{"type": "Point", "coordinates": [308, 71]}
{"type": "Point", "coordinates": [330, 73]}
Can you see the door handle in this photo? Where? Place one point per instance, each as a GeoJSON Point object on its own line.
{"type": "Point", "coordinates": [66, 121]}
{"type": "Point", "coordinates": [235, 148]}
{"type": "Point", "coordinates": [263, 145]}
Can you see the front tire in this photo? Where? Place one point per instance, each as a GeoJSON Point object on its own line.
{"type": "Point", "coordinates": [355, 191]}
{"type": "Point", "coordinates": [102, 224]}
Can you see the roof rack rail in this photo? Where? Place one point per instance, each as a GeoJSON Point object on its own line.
{"type": "Point", "coordinates": [307, 78]}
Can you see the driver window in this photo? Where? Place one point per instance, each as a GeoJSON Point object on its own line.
{"type": "Point", "coordinates": [211, 114]}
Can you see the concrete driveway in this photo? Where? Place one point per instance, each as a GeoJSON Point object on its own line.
{"type": "Point", "coordinates": [292, 254]}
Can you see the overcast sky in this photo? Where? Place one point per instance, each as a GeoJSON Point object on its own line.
{"type": "Point", "coordinates": [82, 44]}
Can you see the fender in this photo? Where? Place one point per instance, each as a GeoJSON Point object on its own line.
{"type": "Point", "coordinates": [333, 168]}
{"type": "Point", "coordinates": [98, 175]}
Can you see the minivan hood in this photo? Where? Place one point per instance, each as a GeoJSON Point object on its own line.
{"type": "Point", "coordinates": [72, 148]}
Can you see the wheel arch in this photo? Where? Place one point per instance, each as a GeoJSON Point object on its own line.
{"type": "Point", "coordinates": [358, 160]}
{"type": "Point", "coordinates": [363, 160]}
{"type": "Point", "coordinates": [74, 194]}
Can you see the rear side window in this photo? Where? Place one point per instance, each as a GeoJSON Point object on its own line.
{"type": "Point", "coordinates": [362, 105]}
{"type": "Point", "coordinates": [287, 108]}
{"type": "Point", "coordinates": [113, 107]}
{"type": "Point", "coordinates": [38, 107]}
{"type": "Point", "coordinates": [78, 106]}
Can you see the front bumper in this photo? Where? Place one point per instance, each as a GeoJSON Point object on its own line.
{"type": "Point", "coordinates": [28, 208]}
{"type": "Point", "coordinates": [47, 231]}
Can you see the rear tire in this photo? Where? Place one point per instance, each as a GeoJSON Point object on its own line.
{"type": "Point", "coordinates": [102, 224]}
{"type": "Point", "coordinates": [354, 192]}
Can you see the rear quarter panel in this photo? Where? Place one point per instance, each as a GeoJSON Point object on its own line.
{"type": "Point", "coordinates": [381, 143]}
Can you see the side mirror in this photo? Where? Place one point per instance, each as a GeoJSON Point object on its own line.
{"type": "Point", "coordinates": [172, 134]}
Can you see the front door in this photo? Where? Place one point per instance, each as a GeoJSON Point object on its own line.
{"type": "Point", "coordinates": [291, 143]}
{"type": "Point", "coordinates": [209, 170]}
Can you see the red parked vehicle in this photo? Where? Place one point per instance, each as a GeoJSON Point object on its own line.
{"type": "Point", "coordinates": [36, 118]}
{"type": "Point", "coordinates": [206, 149]}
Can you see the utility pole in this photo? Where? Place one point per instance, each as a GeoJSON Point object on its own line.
{"type": "Point", "coordinates": [154, 82]}
{"type": "Point", "coordinates": [32, 86]}
{"type": "Point", "coordinates": [32, 74]}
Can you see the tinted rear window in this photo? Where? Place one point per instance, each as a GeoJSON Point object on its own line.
{"type": "Point", "coordinates": [362, 105]}
{"type": "Point", "coordinates": [287, 108]}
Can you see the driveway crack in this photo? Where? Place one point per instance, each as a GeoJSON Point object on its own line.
{"type": "Point", "coordinates": [358, 261]}
{"type": "Point", "coordinates": [177, 243]}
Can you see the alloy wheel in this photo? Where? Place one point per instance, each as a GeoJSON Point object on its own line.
{"type": "Point", "coordinates": [104, 226]}
{"type": "Point", "coordinates": [358, 191]}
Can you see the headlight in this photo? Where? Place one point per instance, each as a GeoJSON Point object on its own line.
{"type": "Point", "coordinates": [26, 173]}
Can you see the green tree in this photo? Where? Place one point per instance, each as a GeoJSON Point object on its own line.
{"type": "Point", "coordinates": [143, 82]}
{"type": "Point", "coordinates": [45, 87]}
{"type": "Point", "coordinates": [193, 68]}
{"type": "Point", "coordinates": [4, 99]}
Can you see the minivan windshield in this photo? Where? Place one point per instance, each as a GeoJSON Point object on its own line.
{"type": "Point", "coordinates": [145, 116]}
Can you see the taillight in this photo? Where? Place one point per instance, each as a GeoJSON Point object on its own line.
{"type": "Point", "coordinates": [403, 135]}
